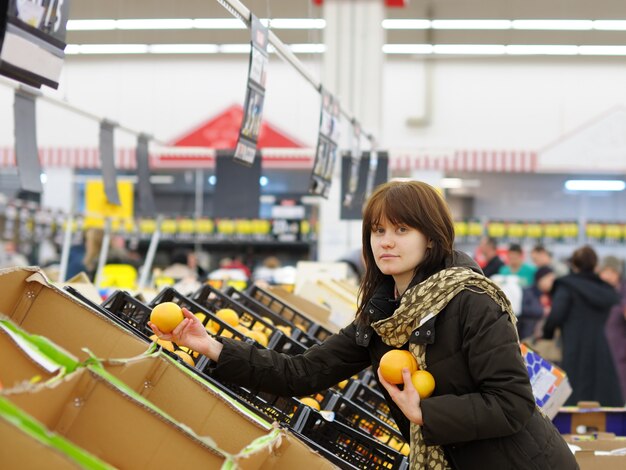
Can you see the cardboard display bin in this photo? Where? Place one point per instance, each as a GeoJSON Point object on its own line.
{"type": "Point", "coordinates": [35, 305]}
{"type": "Point", "coordinates": [94, 414]}
{"type": "Point", "coordinates": [599, 451]}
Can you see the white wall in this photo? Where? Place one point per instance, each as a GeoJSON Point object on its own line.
{"type": "Point", "coordinates": [482, 103]}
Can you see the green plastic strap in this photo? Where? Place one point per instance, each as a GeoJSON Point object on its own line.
{"type": "Point", "coordinates": [44, 346]}
{"type": "Point", "coordinates": [37, 431]}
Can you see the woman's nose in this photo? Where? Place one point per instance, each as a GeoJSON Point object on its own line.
{"type": "Point", "coordinates": [386, 242]}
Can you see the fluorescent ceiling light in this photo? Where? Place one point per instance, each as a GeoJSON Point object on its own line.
{"type": "Point", "coordinates": [408, 48]}
{"type": "Point", "coordinates": [560, 25]}
{"type": "Point", "coordinates": [503, 24]}
{"type": "Point", "coordinates": [520, 49]}
{"type": "Point", "coordinates": [406, 24]}
{"type": "Point", "coordinates": [471, 24]}
{"type": "Point", "coordinates": [451, 183]}
{"type": "Point", "coordinates": [234, 48]}
{"type": "Point", "coordinates": [308, 48]}
{"type": "Point", "coordinates": [218, 23]}
{"type": "Point", "coordinates": [157, 23]}
{"type": "Point", "coordinates": [609, 25]}
{"type": "Point", "coordinates": [189, 23]}
{"type": "Point", "coordinates": [469, 49]}
{"type": "Point", "coordinates": [296, 23]}
{"type": "Point", "coordinates": [595, 185]}
{"type": "Point", "coordinates": [107, 49]}
{"type": "Point", "coordinates": [602, 50]}
{"type": "Point", "coordinates": [183, 49]}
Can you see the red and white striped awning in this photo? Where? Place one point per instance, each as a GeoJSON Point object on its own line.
{"type": "Point", "coordinates": [466, 160]}
{"type": "Point", "coordinates": [504, 161]}
{"type": "Point", "coordinates": [172, 157]}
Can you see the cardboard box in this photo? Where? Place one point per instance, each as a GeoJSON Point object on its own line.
{"type": "Point", "coordinates": [314, 311]}
{"type": "Point", "coordinates": [82, 284]}
{"type": "Point", "coordinates": [594, 460]}
{"type": "Point", "coordinates": [601, 441]}
{"type": "Point", "coordinates": [591, 418]}
{"type": "Point", "coordinates": [197, 404]}
{"type": "Point", "coordinates": [32, 303]}
{"type": "Point", "coordinates": [549, 383]}
{"type": "Point", "coordinates": [27, 445]}
{"type": "Point", "coordinates": [92, 413]}
{"type": "Point", "coordinates": [21, 363]}
{"type": "Point", "coordinates": [190, 401]}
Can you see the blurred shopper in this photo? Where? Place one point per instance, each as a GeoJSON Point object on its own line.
{"type": "Point", "coordinates": [515, 265]}
{"type": "Point", "coordinates": [417, 294]}
{"type": "Point", "coordinates": [611, 271]}
{"type": "Point", "coordinates": [535, 303]}
{"type": "Point", "coordinates": [541, 257]}
{"type": "Point", "coordinates": [581, 303]}
{"type": "Point", "coordinates": [489, 249]}
{"type": "Point", "coordinates": [182, 267]}
{"type": "Point", "coordinates": [266, 271]}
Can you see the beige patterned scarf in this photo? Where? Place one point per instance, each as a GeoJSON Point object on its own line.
{"type": "Point", "coordinates": [419, 304]}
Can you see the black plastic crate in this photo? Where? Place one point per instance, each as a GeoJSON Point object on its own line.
{"type": "Point", "coordinates": [369, 399]}
{"type": "Point", "coordinates": [348, 445]}
{"type": "Point", "coordinates": [350, 413]}
{"type": "Point", "coordinates": [103, 311]}
{"type": "Point", "coordinates": [264, 311]}
{"type": "Point", "coordinates": [271, 407]}
{"type": "Point", "coordinates": [298, 319]}
{"type": "Point", "coordinates": [130, 310]}
{"type": "Point", "coordinates": [220, 328]}
{"type": "Point", "coordinates": [214, 300]}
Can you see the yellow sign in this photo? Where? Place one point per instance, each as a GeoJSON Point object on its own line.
{"type": "Point", "coordinates": [97, 207]}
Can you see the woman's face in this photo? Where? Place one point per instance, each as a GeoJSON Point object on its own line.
{"type": "Point", "coordinates": [397, 250]}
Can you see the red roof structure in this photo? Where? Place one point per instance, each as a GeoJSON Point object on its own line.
{"type": "Point", "coordinates": [222, 131]}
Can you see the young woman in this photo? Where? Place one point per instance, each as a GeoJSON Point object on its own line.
{"type": "Point", "coordinates": [417, 294]}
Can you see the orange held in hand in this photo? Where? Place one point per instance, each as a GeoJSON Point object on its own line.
{"type": "Point", "coordinates": [166, 316]}
{"type": "Point", "coordinates": [392, 363]}
{"type": "Point", "coordinates": [424, 383]}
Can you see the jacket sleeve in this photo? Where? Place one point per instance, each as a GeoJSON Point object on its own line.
{"type": "Point", "coordinates": [561, 303]}
{"type": "Point", "coordinates": [503, 401]}
{"type": "Point", "coordinates": [318, 368]}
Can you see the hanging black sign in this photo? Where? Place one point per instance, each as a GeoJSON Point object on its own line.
{"type": "Point", "coordinates": [326, 151]}
{"type": "Point", "coordinates": [255, 95]}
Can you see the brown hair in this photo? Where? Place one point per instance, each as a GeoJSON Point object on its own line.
{"type": "Point", "coordinates": [585, 259]}
{"type": "Point", "coordinates": [417, 205]}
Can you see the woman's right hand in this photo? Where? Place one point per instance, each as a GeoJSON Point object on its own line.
{"type": "Point", "coordinates": [191, 334]}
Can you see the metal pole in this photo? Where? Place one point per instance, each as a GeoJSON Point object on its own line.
{"type": "Point", "coordinates": [104, 251]}
{"type": "Point", "coordinates": [65, 252]}
{"type": "Point", "coordinates": [199, 207]}
{"type": "Point", "coordinates": [239, 10]}
{"type": "Point", "coordinates": [147, 266]}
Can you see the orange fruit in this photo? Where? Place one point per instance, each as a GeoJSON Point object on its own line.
{"type": "Point", "coordinates": [166, 316]}
{"type": "Point", "coordinates": [285, 329]}
{"type": "Point", "coordinates": [163, 343]}
{"type": "Point", "coordinates": [342, 384]}
{"type": "Point", "coordinates": [424, 383]}
{"type": "Point", "coordinates": [259, 337]}
{"type": "Point", "coordinates": [200, 316]}
{"type": "Point", "coordinates": [311, 402]}
{"type": "Point", "coordinates": [392, 363]}
{"type": "Point", "coordinates": [228, 315]}
{"type": "Point", "coordinates": [185, 357]}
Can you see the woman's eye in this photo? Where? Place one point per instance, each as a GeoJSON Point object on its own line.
{"type": "Point", "coordinates": [402, 229]}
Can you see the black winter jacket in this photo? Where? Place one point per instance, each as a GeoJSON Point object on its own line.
{"type": "Point", "coordinates": [482, 411]}
{"type": "Point", "coordinates": [581, 304]}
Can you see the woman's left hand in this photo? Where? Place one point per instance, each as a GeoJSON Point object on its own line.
{"type": "Point", "coordinates": [407, 399]}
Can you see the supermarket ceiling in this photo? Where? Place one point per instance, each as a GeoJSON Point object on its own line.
{"type": "Point", "coordinates": [597, 23]}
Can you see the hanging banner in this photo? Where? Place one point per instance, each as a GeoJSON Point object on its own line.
{"type": "Point", "coordinates": [146, 196]}
{"type": "Point", "coordinates": [355, 166]}
{"type": "Point", "coordinates": [327, 141]}
{"type": "Point", "coordinates": [107, 160]}
{"type": "Point", "coordinates": [32, 40]}
{"type": "Point", "coordinates": [26, 152]}
{"type": "Point", "coordinates": [255, 95]}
